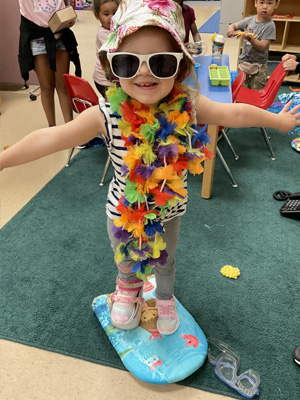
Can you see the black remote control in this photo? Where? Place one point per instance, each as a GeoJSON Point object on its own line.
{"type": "Point", "coordinates": [291, 208]}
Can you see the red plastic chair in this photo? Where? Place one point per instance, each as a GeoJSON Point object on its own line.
{"type": "Point", "coordinates": [264, 98]}
{"type": "Point", "coordinates": [237, 84]}
{"type": "Point", "coordinates": [235, 88]}
{"type": "Point", "coordinates": [82, 96]}
{"type": "Point", "coordinates": [81, 93]}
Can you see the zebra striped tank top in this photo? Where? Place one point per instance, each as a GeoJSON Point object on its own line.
{"type": "Point", "coordinates": [117, 150]}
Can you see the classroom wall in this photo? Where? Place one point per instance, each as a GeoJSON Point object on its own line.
{"type": "Point", "coordinates": [9, 44]}
{"type": "Point", "coordinates": [231, 11]}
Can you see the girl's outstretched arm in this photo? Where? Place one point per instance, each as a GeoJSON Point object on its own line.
{"type": "Point", "coordinates": [243, 115]}
{"type": "Point", "coordinates": [46, 141]}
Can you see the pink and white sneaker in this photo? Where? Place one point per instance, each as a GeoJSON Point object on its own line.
{"type": "Point", "coordinates": [168, 320]}
{"type": "Point", "coordinates": [127, 304]}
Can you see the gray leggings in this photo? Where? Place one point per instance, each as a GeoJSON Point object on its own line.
{"type": "Point", "coordinates": [165, 275]}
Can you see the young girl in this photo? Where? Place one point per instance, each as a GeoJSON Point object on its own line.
{"type": "Point", "coordinates": [104, 10]}
{"type": "Point", "coordinates": [151, 132]}
{"type": "Point", "coordinates": [47, 53]}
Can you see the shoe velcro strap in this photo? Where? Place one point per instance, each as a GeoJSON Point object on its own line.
{"type": "Point", "coordinates": [127, 299]}
{"type": "Point", "coordinates": [129, 287]}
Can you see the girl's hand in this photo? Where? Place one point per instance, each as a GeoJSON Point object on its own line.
{"type": "Point", "coordinates": [289, 119]}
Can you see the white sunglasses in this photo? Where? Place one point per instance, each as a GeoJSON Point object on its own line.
{"type": "Point", "coordinates": [127, 65]}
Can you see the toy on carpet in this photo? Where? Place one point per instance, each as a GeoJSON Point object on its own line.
{"type": "Point", "coordinates": [293, 90]}
{"type": "Point", "coordinates": [150, 356]}
{"type": "Point", "coordinates": [226, 366]}
{"type": "Point", "coordinates": [296, 355]}
{"type": "Point", "coordinates": [230, 272]}
{"type": "Point", "coordinates": [296, 144]}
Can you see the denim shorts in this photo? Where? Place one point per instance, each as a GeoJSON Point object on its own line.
{"type": "Point", "coordinates": [38, 46]}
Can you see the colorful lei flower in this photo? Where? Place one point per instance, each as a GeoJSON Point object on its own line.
{"type": "Point", "coordinates": [161, 143]}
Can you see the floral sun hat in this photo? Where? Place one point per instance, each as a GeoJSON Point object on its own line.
{"type": "Point", "coordinates": [135, 14]}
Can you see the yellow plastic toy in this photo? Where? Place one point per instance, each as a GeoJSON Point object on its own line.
{"type": "Point", "coordinates": [230, 272]}
{"type": "Point", "coordinates": [239, 34]}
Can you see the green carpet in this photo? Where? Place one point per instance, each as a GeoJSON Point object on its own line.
{"type": "Point", "coordinates": [56, 258]}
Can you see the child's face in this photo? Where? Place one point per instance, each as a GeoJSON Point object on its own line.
{"type": "Point", "coordinates": [265, 8]}
{"type": "Point", "coordinates": [107, 11]}
{"type": "Point", "coordinates": [144, 87]}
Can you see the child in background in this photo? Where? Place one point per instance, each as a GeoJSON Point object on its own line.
{"type": "Point", "coordinates": [291, 62]}
{"type": "Point", "coordinates": [254, 57]}
{"type": "Point", "coordinates": [48, 54]}
{"type": "Point", "coordinates": [150, 125]}
{"type": "Point", "coordinates": [104, 11]}
{"type": "Point", "coordinates": [188, 14]}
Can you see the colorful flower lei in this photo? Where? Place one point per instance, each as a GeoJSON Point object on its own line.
{"type": "Point", "coordinates": [162, 142]}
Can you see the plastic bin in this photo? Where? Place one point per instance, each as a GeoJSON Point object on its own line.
{"type": "Point", "coordinates": [219, 76]}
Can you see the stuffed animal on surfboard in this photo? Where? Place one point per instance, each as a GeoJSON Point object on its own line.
{"type": "Point", "coordinates": [150, 356]}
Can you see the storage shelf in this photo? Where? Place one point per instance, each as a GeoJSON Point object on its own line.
{"type": "Point", "coordinates": [286, 49]}
{"type": "Point", "coordinates": [292, 78]}
{"type": "Point", "coordinates": [294, 19]}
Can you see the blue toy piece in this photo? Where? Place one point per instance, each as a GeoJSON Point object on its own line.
{"type": "Point", "coordinates": [150, 356]}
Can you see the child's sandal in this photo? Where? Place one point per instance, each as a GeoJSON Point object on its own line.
{"type": "Point", "coordinates": [127, 304]}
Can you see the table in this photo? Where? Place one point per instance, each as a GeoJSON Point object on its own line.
{"type": "Point", "coordinates": [221, 94]}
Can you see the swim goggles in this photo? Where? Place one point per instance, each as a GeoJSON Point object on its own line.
{"type": "Point", "coordinates": [226, 365]}
{"type": "Point", "coordinates": [127, 65]}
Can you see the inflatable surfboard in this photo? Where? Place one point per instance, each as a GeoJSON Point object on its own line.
{"type": "Point", "coordinates": [150, 356]}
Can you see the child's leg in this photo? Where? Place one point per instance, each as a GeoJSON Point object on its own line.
{"type": "Point", "coordinates": [128, 298]}
{"type": "Point", "coordinates": [168, 320]}
{"type": "Point", "coordinates": [62, 67]}
{"type": "Point", "coordinates": [165, 275]}
{"type": "Point", "coordinates": [124, 269]}
{"type": "Point", "coordinates": [47, 84]}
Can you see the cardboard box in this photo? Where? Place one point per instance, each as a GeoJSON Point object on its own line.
{"type": "Point", "coordinates": [61, 19]}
